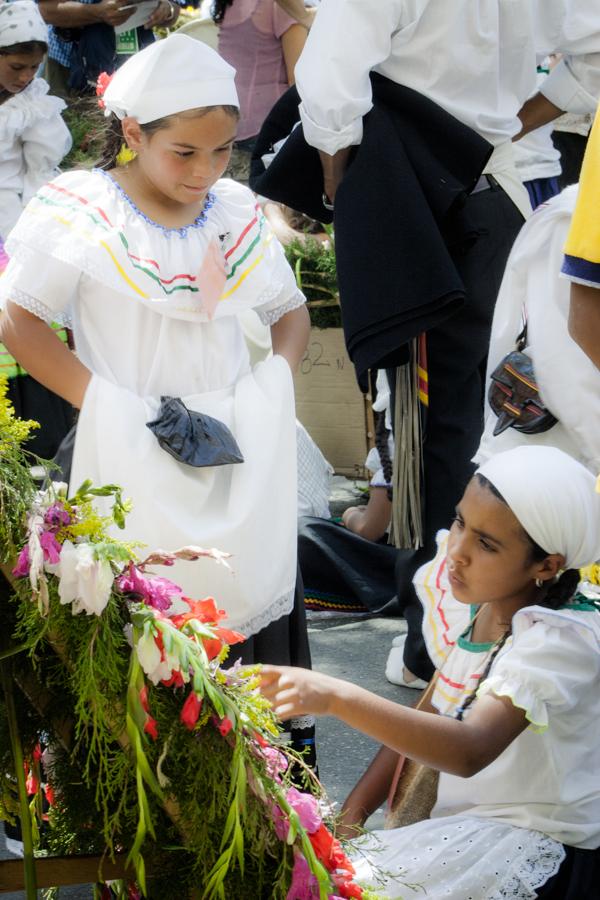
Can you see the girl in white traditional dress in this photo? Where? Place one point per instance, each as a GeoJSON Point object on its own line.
{"type": "Point", "coordinates": [516, 735]}
{"type": "Point", "coordinates": [150, 263]}
{"type": "Point", "coordinates": [33, 141]}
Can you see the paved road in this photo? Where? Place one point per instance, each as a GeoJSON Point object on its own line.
{"type": "Point", "coordinates": [355, 649]}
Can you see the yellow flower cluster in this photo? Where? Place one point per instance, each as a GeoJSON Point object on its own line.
{"type": "Point", "coordinates": [12, 430]}
{"type": "Point", "coordinates": [591, 574]}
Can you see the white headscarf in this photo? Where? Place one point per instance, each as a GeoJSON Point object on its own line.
{"type": "Point", "coordinates": [554, 498]}
{"type": "Point", "coordinates": [168, 77]}
{"type": "Point", "coordinates": [21, 22]}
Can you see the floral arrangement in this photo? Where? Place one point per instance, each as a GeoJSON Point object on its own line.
{"type": "Point", "coordinates": [154, 749]}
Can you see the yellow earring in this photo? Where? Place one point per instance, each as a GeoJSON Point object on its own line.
{"type": "Point", "coordinates": [125, 155]}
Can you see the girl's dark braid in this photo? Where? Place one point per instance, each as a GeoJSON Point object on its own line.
{"type": "Point", "coordinates": [383, 448]}
{"type": "Point", "coordinates": [562, 591]}
{"type": "Point", "coordinates": [113, 141]}
{"type": "Point", "coordinates": [496, 650]}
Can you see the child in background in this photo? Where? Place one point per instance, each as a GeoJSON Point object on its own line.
{"type": "Point", "coordinates": [152, 259]}
{"type": "Point", "coordinates": [33, 141]}
{"type": "Point", "coordinates": [512, 722]}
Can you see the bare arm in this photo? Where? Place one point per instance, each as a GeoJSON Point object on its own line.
{"type": "Point", "coordinates": [292, 44]}
{"type": "Point", "coordinates": [370, 521]}
{"type": "Point", "coordinates": [459, 748]}
{"type": "Point", "coordinates": [584, 320]}
{"type": "Point", "coordinates": [535, 112]}
{"type": "Point", "coordinates": [72, 14]}
{"type": "Point", "coordinates": [298, 11]}
{"type": "Point", "coordinates": [43, 354]}
{"type": "Point", "coordinates": [165, 14]}
{"type": "Point", "coordinates": [289, 336]}
{"type": "Point", "coordinates": [369, 792]}
{"type": "Point", "coordinates": [333, 170]}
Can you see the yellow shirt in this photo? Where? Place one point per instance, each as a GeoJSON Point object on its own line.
{"type": "Point", "coordinates": [582, 250]}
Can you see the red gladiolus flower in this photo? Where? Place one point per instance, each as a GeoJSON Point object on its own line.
{"type": "Point", "coordinates": [176, 679]}
{"type": "Point", "coordinates": [144, 699]}
{"type": "Point", "coordinates": [151, 728]}
{"type": "Point", "coordinates": [225, 726]}
{"type": "Point", "coordinates": [191, 710]}
{"type": "Point", "coordinates": [206, 611]}
{"type": "Point", "coordinates": [347, 888]}
{"type": "Point", "coordinates": [329, 850]}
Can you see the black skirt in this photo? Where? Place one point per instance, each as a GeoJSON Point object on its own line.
{"type": "Point", "coordinates": [344, 572]}
{"type": "Point", "coordinates": [577, 879]}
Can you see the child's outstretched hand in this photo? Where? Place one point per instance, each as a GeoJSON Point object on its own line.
{"type": "Point", "coordinates": [297, 692]}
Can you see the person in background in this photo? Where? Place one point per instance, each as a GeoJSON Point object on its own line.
{"type": "Point", "coordinates": [536, 158]}
{"type": "Point", "coordinates": [263, 43]}
{"type": "Point", "coordinates": [93, 23]}
{"type": "Point", "coordinates": [534, 293]}
{"type": "Point", "coordinates": [33, 141]}
{"type": "Point", "coordinates": [434, 48]}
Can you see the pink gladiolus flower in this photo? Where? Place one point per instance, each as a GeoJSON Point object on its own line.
{"type": "Point", "coordinates": [191, 710]}
{"type": "Point", "coordinates": [307, 808]}
{"type": "Point", "coordinates": [50, 546]}
{"type": "Point", "coordinates": [276, 762]}
{"type": "Point", "coordinates": [281, 823]}
{"type": "Point", "coordinates": [305, 885]}
{"type": "Point", "coordinates": [154, 591]}
{"type": "Point", "coordinates": [21, 570]}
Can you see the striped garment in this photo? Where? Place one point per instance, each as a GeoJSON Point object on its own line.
{"type": "Point", "coordinates": [582, 250]}
{"type": "Point", "coordinates": [446, 628]}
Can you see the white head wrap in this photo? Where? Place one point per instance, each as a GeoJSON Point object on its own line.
{"type": "Point", "coordinates": [170, 76]}
{"type": "Point", "coordinates": [554, 498]}
{"type": "Point", "coordinates": [21, 22]}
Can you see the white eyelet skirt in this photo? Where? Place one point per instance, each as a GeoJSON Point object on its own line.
{"type": "Point", "coordinates": [461, 857]}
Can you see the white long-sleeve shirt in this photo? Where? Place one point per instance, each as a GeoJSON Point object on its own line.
{"type": "Point", "coordinates": [33, 141]}
{"type": "Point", "coordinates": [475, 58]}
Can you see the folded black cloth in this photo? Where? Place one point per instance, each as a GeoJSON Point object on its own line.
{"type": "Point", "coordinates": [399, 214]}
{"type": "Point", "coordinates": [192, 437]}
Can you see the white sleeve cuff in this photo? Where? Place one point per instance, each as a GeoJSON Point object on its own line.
{"type": "Point", "coordinates": [327, 140]}
{"type": "Point", "coordinates": [562, 88]}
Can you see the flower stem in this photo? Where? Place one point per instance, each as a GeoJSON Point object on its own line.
{"type": "Point", "coordinates": [24, 814]}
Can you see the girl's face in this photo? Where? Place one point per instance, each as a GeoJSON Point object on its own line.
{"type": "Point", "coordinates": [182, 161]}
{"type": "Point", "coordinates": [489, 554]}
{"type": "Point", "coordinates": [17, 70]}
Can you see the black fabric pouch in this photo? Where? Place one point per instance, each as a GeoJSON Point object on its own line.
{"type": "Point", "coordinates": [194, 438]}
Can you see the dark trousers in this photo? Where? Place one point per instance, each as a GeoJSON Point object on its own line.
{"type": "Point", "coordinates": [572, 150]}
{"type": "Point", "coordinates": [456, 359]}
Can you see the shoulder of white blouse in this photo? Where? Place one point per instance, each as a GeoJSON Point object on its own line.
{"type": "Point", "coordinates": [581, 616]}
{"type": "Point", "coordinates": [233, 197]}
{"type": "Point", "coordinates": [28, 107]}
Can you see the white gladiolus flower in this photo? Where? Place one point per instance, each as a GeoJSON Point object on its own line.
{"type": "Point", "coordinates": [85, 581]}
{"type": "Point", "coordinates": [149, 656]}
